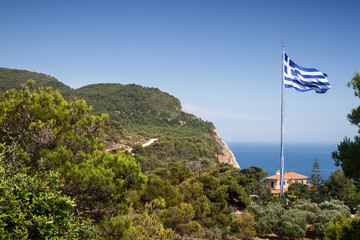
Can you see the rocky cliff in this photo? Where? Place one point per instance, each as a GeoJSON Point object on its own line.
{"type": "Point", "coordinates": [227, 156]}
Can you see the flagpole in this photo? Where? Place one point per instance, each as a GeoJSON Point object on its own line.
{"type": "Point", "coordinates": [282, 126]}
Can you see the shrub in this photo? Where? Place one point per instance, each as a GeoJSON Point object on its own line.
{"type": "Point", "coordinates": [115, 227]}
{"type": "Point", "coordinates": [336, 228]}
{"type": "Point", "coordinates": [33, 207]}
{"type": "Point", "coordinates": [309, 209]}
{"type": "Point", "coordinates": [336, 205]}
{"type": "Point", "coordinates": [267, 217]}
{"type": "Point", "coordinates": [145, 227]}
{"type": "Point", "coordinates": [330, 211]}
{"type": "Point", "coordinates": [292, 224]}
{"type": "Point", "coordinates": [181, 214]}
{"type": "Point", "coordinates": [243, 226]}
{"type": "Point", "coordinates": [321, 221]}
{"type": "Point", "coordinates": [191, 228]}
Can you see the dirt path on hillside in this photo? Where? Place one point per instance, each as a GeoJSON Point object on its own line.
{"type": "Point", "coordinates": [148, 143]}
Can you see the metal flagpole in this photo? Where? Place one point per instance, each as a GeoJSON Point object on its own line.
{"type": "Point", "coordinates": [282, 126]}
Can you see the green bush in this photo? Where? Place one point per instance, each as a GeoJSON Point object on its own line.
{"type": "Point", "coordinates": [336, 228]}
{"type": "Point", "coordinates": [173, 217]}
{"type": "Point", "coordinates": [191, 228]}
{"type": "Point", "coordinates": [353, 231]}
{"type": "Point", "coordinates": [145, 227]}
{"type": "Point", "coordinates": [115, 227]}
{"type": "Point", "coordinates": [33, 207]}
{"type": "Point", "coordinates": [267, 218]}
{"type": "Point", "coordinates": [321, 221]}
{"type": "Point", "coordinates": [243, 226]}
{"type": "Point", "coordinates": [335, 205]}
{"type": "Point", "coordinates": [156, 188]}
{"type": "Point", "coordinates": [292, 224]}
{"type": "Point", "coordinates": [308, 208]}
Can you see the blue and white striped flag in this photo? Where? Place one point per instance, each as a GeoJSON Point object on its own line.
{"type": "Point", "coordinates": [304, 79]}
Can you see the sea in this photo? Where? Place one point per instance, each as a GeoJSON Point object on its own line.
{"type": "Point", "coordinates": [298, 157]}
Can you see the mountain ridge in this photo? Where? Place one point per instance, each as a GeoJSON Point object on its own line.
{"type": "Point", "coordinates": [138, 114]}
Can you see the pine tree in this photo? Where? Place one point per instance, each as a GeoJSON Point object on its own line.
{"type": "Point", "coordinates": [315, 177]}
{"type": "Point", "coordinates": [348, 154]}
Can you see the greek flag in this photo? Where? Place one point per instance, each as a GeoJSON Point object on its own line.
{"type": "Point", "coordinates": [304, 79]}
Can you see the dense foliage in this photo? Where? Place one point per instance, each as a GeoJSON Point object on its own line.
{"type": "Point", "coordinates": [62, 136]}
{"type": "Point", "coordinates": [43, 123]}
{"type": "Point", "coordinates": [58, 181]}
{"type": "Point", "coordinates": [292, 221]}
{"type": "Point", "coordinates": [203, 200]}
{"type": "Point", "coordinates": [143, 109]}
{"type": "Point", "coordinates": [32, 206]}
{"type": "Point", "coordinates": [154, 114]}
{"type": "Point", "coordinates": [59, 142]}
{"type": "Point", "coordinates": [136, 114]}
{"type": "Point", "coordinates": [348, 154]}
{"type": "Point", "coordinates": [344, 229]}
{"type": "Point", "coordinates": [194, 152]}
{"type": "Point", "coordinates": [59, 136]}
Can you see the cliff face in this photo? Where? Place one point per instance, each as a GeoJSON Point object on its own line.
{"type": "Point", "coordinates": [228, 156]}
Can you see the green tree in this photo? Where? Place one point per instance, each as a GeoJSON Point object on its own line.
{"type": "Point", "coordinates": [179, 173]}
{"type": "Point", "coordinates": [347, 155]}
{"type": "Point", "coordinates": [43, 123]}
{"type": "Point", "coordinates": [267, 218]}
{"type": "Point", "coordinates": [316, 178]}
{"type": "Point", "coordinates": [292, 224]}
{"type": "Point", "coordinates": [163, 173]}
{"type": "Point", "coordinates": [156, 188]}
{"type": "Point", "coordinates": [191, 189]}
{"type": "Point", "coordinates": [308, 208]}
{"type": "Point", "coordinates": [340, 187]}
{"type": "Point", "coordinates": [352, 231]}
{"type": "Point", "coordinates": [192, 229]}
{"type": "Point", "coordinates": [201, 205]}
{"type": "Point", "coordinates": [254, 174]}
{"type": "Point", "coordinates": [33, 206]}
{"type": "Point", "coordinates": [115, 227]}
{"type": "Point", "coordinates": [243, 226]}
{"type": "Point", "coordinates": [262, 191]}
{"type": "Point", "coordinates": [138, 149]}
{"type": "Point", "coordinates": [101, 183]}
{"type": "Point", "coordinates": [300, 190]}
{"type": "Point", "coordinates": [329, 211]}
{"type": "Point", "coordinates": [63, 137]}
{"type": "Point", "coordinates": [336, 229]}
{"type": "Point", "coordinates": [192, 192]}
{"type": "Point", "coordinates": [175, 217]}
{"type": "Point", "coordinates": [149, 227]}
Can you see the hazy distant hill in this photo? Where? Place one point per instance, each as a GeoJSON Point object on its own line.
{"type": "Point", "coordinates": [137, 114]}
{"type": "Point", "coordinates": [13, 78]}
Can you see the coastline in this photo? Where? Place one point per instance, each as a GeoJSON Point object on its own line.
{"type": "Point", "coordinates": [299, 157]}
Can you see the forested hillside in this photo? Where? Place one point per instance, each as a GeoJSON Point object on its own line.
{"type": "Point", "coordinates": [143, 109]}
{"type": "Point", "coordinates": [136, 114]}
{"type": "Point", "coordinates": [13, 78]}
{"type": "Point", "coordinates": [82, 191]}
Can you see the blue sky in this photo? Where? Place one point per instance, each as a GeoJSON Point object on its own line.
{"type": "Point", "coordinates": [222, 59]}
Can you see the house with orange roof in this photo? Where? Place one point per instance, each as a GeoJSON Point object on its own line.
{"type": "Point", "coordinates": [289, 178]}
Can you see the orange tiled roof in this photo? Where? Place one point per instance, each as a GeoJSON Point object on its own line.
{"type": "Point", "coordinates": [287, 176]}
